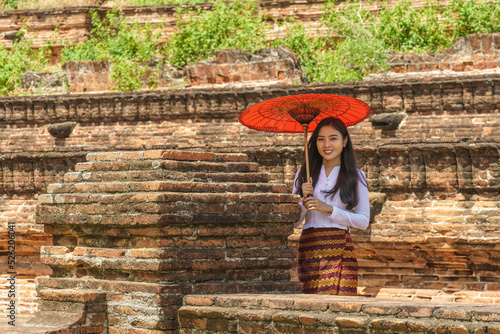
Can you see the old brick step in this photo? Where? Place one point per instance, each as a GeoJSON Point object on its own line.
{"type": "Point", "coordinates": [65, 311]}
{"type": "Point", "coordinates": [156, 199]}
{"type": "Point", "coordinates": [170, 160]}
{"type": "Point", "coordinates": [184, 166]}
{"type": "Point", "coordinates": [231, 210]}
{"type": "Point", "coordinates": [172, 293]}
{"type": "Point", "coordinates": [213, 259]}
{"type": "Point", "coordinates": [242, 247]}
{"type": "Point", "coordinates": [219, 279]}
{"type": "Point", "coordinates": [168, 219]}
{"type": "Point", "coordinates": [133, 188]}
{"type": "Point", "coordinates": [331, 314]}
{"type": "Point", "coordinates": [167, 155]}
{"type": "Point", "coordinates": [162, 174]}
{"type": "Point", "coordinates": [243, 241]}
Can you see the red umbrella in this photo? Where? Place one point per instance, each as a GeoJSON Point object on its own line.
{"type": "Point", "coordinates": [302, 113]}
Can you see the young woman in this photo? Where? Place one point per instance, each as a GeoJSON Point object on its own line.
{"type": "Point", "coordinates": [339, 201]}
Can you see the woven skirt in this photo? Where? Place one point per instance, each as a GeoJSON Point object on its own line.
{"type": "Point", "coordinates": [327, 262]}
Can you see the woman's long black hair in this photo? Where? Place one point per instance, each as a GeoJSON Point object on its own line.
{"type": "Point", "coordinates": [347, 181]}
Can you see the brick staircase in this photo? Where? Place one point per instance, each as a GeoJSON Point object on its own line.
{"type": "Point", "coordinates": [147, 227]}
{"type": "Point", "coordinates": [331, 314]}
{"type": "Point", "coordinates": [64, 312]}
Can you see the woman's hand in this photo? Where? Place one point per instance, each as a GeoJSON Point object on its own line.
{"type": "Point", "coordinates": [307, 188]}
{"type": "Point", "coordinates": [312, 203]}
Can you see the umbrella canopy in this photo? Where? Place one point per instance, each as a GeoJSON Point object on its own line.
{"type": "Point", "coordinates": [302, 113]}
{"type": "Point", "coordinates": [288, 114]}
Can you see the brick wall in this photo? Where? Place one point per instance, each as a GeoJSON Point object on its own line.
{"type": "Point", "coordinates": [424, 99]}
{"type": "Point", "coordinates": [444, 156]}
{"type": "Point", "coordinates": [23, 176]}
{"type": "Point", "coordinates": [442, 161]}
{"type": "Point", "coordinates": [18, 211]}
{"type": "Point", "coordinates": [96, 76]}
{"type": "Point", "coordinates": [471, 53]}
{"type": "Point", "coordinates": [265, 66]}
{"type": "Point", "coordinates": [277, 66]}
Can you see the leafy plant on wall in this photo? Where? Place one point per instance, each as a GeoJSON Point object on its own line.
{"type": "Point", "coordinates": [228, 25]}
{"type": "Point", "coordinates": [129, 47]}
{"type": "Point", "coordinates": [19, 59]}
{"type": "Point", "coordinates": [356, 44]}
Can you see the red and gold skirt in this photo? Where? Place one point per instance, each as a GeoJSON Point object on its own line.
{"type": "Point", "coordinates": [327, 262]}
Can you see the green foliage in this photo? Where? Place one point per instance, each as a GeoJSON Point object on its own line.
{"type": "Point", "coordinates": [402, 27]}
{"type": "Point", "coordinates": [352, 59]}
{"type": "Point", "coordinates": [297, 40]}
{"type": "Point", "coordinates": [8, 4]}
{"type": "Point", "coordinates": [19, 59]}
{"type": "Point", "coordinates": [471, 17]}
{"type": "Point", "coordinates": [165, 2]}
{"type": "Point", "coordinates": [350, 20]}
{"type": "Point", "coordinates": [328, 59]}
{"type": "Point", "coordinates": [357, 42]}
{"type": "Point", "coordinates": [234, 25]}
{"type": "Point", "coordinates": [129, 47]}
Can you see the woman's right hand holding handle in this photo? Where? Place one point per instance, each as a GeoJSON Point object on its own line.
{"type": "Point", "coordinates": [307, 189]}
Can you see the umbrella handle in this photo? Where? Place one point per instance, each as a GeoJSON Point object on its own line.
{"type": "Point", "coordinates": [306, 151]}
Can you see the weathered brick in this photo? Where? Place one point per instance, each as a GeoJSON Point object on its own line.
{"type": "Point", "coordinates": [313, 305]}
{"type": "Point", "coordinates": [450, 313]}
{"type": "Point", "coordinates": [352, 322]}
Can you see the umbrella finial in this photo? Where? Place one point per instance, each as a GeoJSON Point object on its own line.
{"type": "Point", "coordinates": [304, 115]}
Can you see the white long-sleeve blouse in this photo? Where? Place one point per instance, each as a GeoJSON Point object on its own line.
{"type": "Point", "coordinates": [340, 217]}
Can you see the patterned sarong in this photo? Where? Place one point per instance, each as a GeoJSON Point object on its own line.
{"type": "Point", "coordinates": [327, 262]}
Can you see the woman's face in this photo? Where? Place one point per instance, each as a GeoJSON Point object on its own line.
{"type": "Point", "coordinates": [330, 145]}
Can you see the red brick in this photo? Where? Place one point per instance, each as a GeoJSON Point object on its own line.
{"type": "Point", "coordinates": [490, 64]}
{"type": "Point", "coordinates": [381, 309]}
{"type": "Point", "coordinates": [189, 156]}
{"type": "Point", "coordinates": [310, 305]}
{"type": "Point", "coordinates": [248, 327]}
{"type": "Point", "coordinates": [278, 304]}
{"type": "Point", "coordinates": [317, 320]}
{"type": "Point", "coordinates": [352, 322]}
{"type": "Point", "coordinates": [457, 314]}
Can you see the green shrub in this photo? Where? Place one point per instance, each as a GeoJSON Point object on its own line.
{"type": "Point", "coordinates": [357, 42]}
{"type": "Point", "coordinates": [352, 59]}
{"type": "Point", "coordinates": [232, 25]}
{"type": "Point", "coordinates": [129, 47]}
{"type": "Point", "coordinates": [8, 4]}
{"type": "Point", "coordinates": [400, 26]}
{"type": "Point", "coordinates": [20, 58]}
{"type": "Point", "coordinates": [165, 2]}
{"type": "Point", "coordinates": [471, 17]}
{"type": "Point", "coordinates": [350, 51]}
{"type": "Point", "coordinates": [330, 59]}
{"type": "Point", "coordinates": [307, 48]}
{"type": "Point", "coordinates": [403, 27]}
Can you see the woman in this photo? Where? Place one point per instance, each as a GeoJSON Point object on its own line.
{"type": "Point", "coordinates": [339, 201]}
